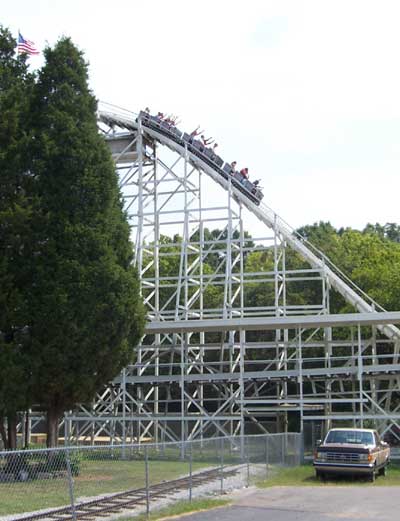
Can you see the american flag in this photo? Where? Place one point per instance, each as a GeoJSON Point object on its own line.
{"type": "Point", "coordinates": [26, 46]}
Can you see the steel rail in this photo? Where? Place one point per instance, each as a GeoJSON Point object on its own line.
{"type": "Point", "coordinates": [114, 503]}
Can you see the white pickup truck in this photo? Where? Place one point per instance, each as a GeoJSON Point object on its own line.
{"type": "Point", "coordinates": [351, 451]}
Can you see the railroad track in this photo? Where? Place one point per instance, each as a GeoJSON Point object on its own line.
{"type": "Point", "coordinates": [114, 503]}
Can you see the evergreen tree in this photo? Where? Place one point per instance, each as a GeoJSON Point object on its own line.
{"type": "Point", "coordinates": [86, 312]}
{"type": "Point", "coordinates": [15, 210]}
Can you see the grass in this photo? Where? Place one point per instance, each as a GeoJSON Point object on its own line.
{"type": "Point", "coordinates": [96, 477]}
{"type": "Point", "coordinates": [304, 476]}
{"type": "Point", "coordinates": [179, 508]}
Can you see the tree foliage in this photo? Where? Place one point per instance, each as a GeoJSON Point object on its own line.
{"type": "Point", "coordinates": [15, 212]}
{"type": "Point", "coordinates": [81, 312]}
{"type": "Point", "coordinates": [390, 231]}
{"type": "Point", "coordinates": [370, 258]}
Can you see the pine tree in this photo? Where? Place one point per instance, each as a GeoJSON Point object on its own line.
{"type": "Point", "coordinates": [86, 311]}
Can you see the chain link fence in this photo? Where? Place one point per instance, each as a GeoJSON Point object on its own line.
{"type": "Point", "coordinates": [71, 482]}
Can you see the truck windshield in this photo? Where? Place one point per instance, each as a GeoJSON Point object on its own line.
{"type": "Point", "coordinates": [363, 438]}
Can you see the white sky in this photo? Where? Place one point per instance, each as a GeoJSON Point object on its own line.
{"type": "Point", "coordinates": [306, 93]}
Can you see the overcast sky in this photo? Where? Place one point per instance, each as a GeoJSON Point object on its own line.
{"type": "Point", "coordinates": [306, 94]}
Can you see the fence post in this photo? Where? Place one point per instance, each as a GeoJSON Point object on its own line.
{"type": "Point", "coordinates": [70, 484]}
{"type": "Point", "coordinates": [222, 465]}
{"type": "Point", "coordinates": [247, 461]}
{"type": "Point", "coordinates": [301, 448]}
{"type": "Point", "coordinates": [146, 466]}
{"type": "Point", "coordinates": [266, 456]}
{"type": "Point", "coordinates": [190, 471]}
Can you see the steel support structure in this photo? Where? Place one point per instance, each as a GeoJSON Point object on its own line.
{"type": "Point", "coordinates": [197, 264]}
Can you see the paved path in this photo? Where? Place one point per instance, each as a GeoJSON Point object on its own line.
{"type": "Point", "coordinates": [309, 504]}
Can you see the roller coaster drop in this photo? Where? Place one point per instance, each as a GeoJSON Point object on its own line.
{"type": "Point", "coordinates": [191, 380]}
{"type": "Point", "coordinates": [205, 153]}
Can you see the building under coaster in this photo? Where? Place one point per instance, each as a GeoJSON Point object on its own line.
{"type": "Point", "coordinates": [215, 360]}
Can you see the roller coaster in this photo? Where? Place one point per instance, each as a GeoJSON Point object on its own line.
{"type": "Point", "coordinates": [204, 153]}
{"type": "Point", "coordinates": [229, 365]}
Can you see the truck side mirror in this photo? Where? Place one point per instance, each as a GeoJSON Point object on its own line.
{"type": "Point", "coordinates": [319, 442]}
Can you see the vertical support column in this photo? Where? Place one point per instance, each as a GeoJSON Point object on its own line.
{"type": "Point", "coordinates": [156, 254]}
{"type": "Point", "coordinates": [28, 427]}
{"type": "Point", "coordinates": [360, 375]}
{"type": "Point", "coordinates": [242, 336]}
{"type": "Point", "coordinates": [282, 338]}
{"type": "Point", "coordinates": [231, 344]}
{"type": "Point", "coordinates": [182, 383]}
{"type": "Point", "coordinates": [374, 383]}
{"type": "Point", "coordinates": [139, 232]}
{"type": "Point", "coordinates": [92, 428]}
{"type": "Point", "coordinates": [222, 464]}
{"type": "Point", "coordinates": [190, 470]}
{"type": "Point", "coordinates": [353, 382]}
{"type": "Point", "coordinates": [227, 305]}
{"type": "Point", "coordinates": [285, 334]}
{"type": "Point", "coordinates": [147, 480]}
{"type": "Point", "coordinates": [186, 238]}
{"type": "Point", "coordinates": [182, 275]}
{"type": "Point", "coordinates": [66, 433]}
{"type": "Point", "coordinates": [301, 390]}
{"type": "Point", "coordinates": [248, 461]}
{"type": "Point", "coordinates": [123, 390]}
{"type": "Point", "coordinates": [328, 350]}
{"type": "Point", "coordinates": [276, 276]}
{"type": "Point", "coordinates": [241, 252]}
{"type": "Point", "coordinates": [276, 305]}
{"type": "Point", "coordinates": [201, 301]}
{"type": "Point", "coordinates": [185, 422]}
{"type": "Point", "coordinates": [328, 383]}
{"type": "Point", "coordinates": [138, 260]}
{"type": "Point", "coordinates": [227, 311]}
{"type": "Point", "coordinates": [114, 395]}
